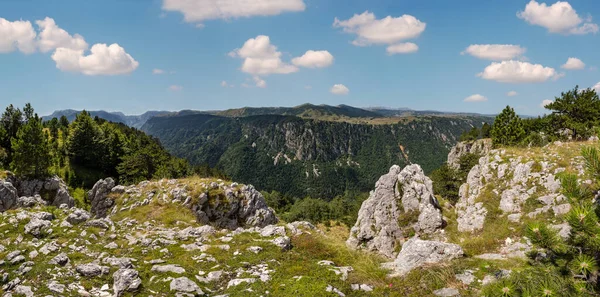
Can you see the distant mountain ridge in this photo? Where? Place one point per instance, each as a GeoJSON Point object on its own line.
{"type": "Point", "coordinates": [308, 111]}
{"type": "Point", "coordinates": [136, 121]}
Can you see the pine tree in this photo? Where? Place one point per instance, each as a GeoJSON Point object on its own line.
{"type": "Point", "coordinates": [507, 128]}
{"type": "Point", "coordinates": [84, 144]}
{"type": "Point", "coordinates": [577, 110]}
{"type": "Point", "coordinates": [31, 155]}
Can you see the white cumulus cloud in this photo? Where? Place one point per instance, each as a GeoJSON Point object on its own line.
{"type": "Point", "coordinates": [196, 11]}
{"type": "Point", "coordinates": [262, 58]}
{"type": "Point", "coordinates": [518, 72]}
{"type": "Point", "coordinates": [389, 30]}
{"type": "Point", "coordinates": [559, 17]}
{"type": "Point", "coordinates": [52, 37]}
{"type": "Point", "coordinates": [157, 71]}
{"type": "Point", "coordinates": [476, 98]}
{"type": "Point", "coordinates": [597, 87]}
{"type": "Point", "coordinates": [573, 64]}
{"type": "Point", "coordinates": [402, 48]}
{"type": "Point", "coordinates": [545, 102]}
{"type": "Point", "coordinates": [17, 35]}
{"type": "Point", "coordinates": [511, 94]}
{"type": "Point", "coordinates": [102, 60]}
{"type": "Point", "coordinates": [260, 83]}
{"type": "Point", "coordinates": [339, 89]}
{"type": "Point", "coordinates": [314, 59]}
{"type": "Point", "coordinates": [495, 52]}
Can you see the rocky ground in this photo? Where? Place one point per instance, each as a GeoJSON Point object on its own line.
{"type": "Point", "coordinates": [207, 237]}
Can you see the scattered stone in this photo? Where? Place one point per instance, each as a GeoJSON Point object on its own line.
{"type": "Point", "coordinates": [446, 292]}
{"type": "Point", "coordinates": [184, 284]}
{"type": "Point", "coordinates": [91, 270]}
{"type": "Point", "coordinates": [61, 259]}
{"type": "Point", "coordinates": [126, 280]}
{"type": "Point", "coordinates": [168, 268]}
{"type": "Point", "coordinates": [416, 252]}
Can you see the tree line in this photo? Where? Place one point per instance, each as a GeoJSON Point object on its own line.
{"type": "Point", "coordinates": [84, 151]}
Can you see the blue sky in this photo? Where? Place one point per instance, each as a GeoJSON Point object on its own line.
{"type": "Point", "coordinates": [198, 49]}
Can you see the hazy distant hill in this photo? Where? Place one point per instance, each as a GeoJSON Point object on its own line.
{"type": "Point", "coordinates": [304, 111]}
{"type": "Point", "coordinates": [136, 121]}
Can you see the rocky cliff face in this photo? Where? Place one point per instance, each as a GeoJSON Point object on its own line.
{"type": "Point", "coordinates": [398, 196]}
{"type": "Point", "coordinates": [304, 157]}
{"type": "Point", "coordinates": [478, 147]}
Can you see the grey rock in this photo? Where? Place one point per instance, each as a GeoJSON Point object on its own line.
{"type": "Point", "coordinates": [377, 228]}
{"type": "Point", "coordinates": [61, 259]}
{"type": "Point", "coordinates": [283, 242]}
{"type": "Point", "coordinates": [56, 288]}
{"type": "Point", "coordinates": [126, 280]}
{"type": "Point", "coordinates": [24, 291]}
{"type": "Point", "coordinates": [91, 270]}
{"type": "Point", "coordinates": [98, 223]}
{"type": "Point", "coordinates": [184, 284]}
{"type": "Point", "coordinates": [168, 268]}
{"type": "Point", "coordinates": [238, 281]}
{"type": "Point", "coordinates": [416, 252]}
{"type": "Point", "coordinates": [446, 292]}
{"type": "Point", "coordinates": [99, 199]}
{"type": "Point", "coordinates": [8, 196]}
{"type": "Point", "coordinates": [272, 230]}
{"type": "Point", "coordinates": [479, 147]}
{"type": "Point", "coordinates": [36, 227]}
{"type": "Point", "coordinates": [78, 216]}
{"type": "Point", "coordinates": [466, 277]}
{"type": "Point", "coordinates": [118, 262]}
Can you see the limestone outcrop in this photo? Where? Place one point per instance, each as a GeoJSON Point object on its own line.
{"type": "Point", "coordinates": [397, 194]}
{"type": "Point", "coordinates": [17, 192]}
{"type": "Point", "coordinates": [416, 252]}
{"type": "Point", "coordinates": [479, 147]}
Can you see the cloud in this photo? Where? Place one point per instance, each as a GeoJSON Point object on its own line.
{"type": "Point", "coordinates": [17, 35]}
{"type": "Point", "coordinates": [597, 87]}
{"type": "Point", "coordinates": [476, 98]}
{"type": "Point", "coordinates": [545, 102]}
{"type": "Point", "coordinates": [339, 89]}
{"type": "Point", "coordinates": [260, 83]}
{"type": "Point", "coordinates": [103, 60]}
{"type": "Point", "coordinates": [389, 30]}
{"type": "Point", "coordinates": [196, 11]}
{"type": "Point", "coordinates": [308, 87]}
{"type": "Point", "coordinates": [261, 57]}
{"type": "Point", "coordinates": [224, 84]}
{"type": "Point", "coordinates": [518, 72]}
{"type": "Point", "coordinates": [512, 94]}
{"type": "Point", "coordinates": [314, 59]}
{"type": "Point", "coordinates": [175, 88]}
{"type": "Point", "coordinates": [157, 71]}
{"type": "Point", "coordinates": [559, 17]}
{"type": "Point", "coordinates": [495, 52]}
{"type": "Point", "coordinates": [402, 48]}
{"type": "Point", "coordinates": [52, 37]}
{"type": "Point", "coordinates": [573, 64]}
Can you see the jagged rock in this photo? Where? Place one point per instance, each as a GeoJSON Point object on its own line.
{"type": "Point", "coordinates": [98, 196]}
{"type": "Point", "coordinates": [184, 284]}
{"type": "Point", "coordinates": [91, 270]}
{"type": "Point", "coordinates": [98, 223]}
{"type": "Point", "coordinates": [479, 147]}
{"type": "Point", "coordinates": [245, 205]}
{"type": "Point", "coordinates": [8, 196]}
{"type": "Point", "coordinates": [118, 262]}
{"type": "Point", "coordinates": [54, 189]}
{"type": "Point", "coordinates": [272, 230]}
{"type": "Point", "coordinates": [416, 252]}
{"type": "Point", "coordinates": [61, 259]}
{"type": "Point", "coordinates": [24, 291]}
{"type": "Point", "coordinates": [78, 216]}
{"type": "Point", "coordinates": [126, 280]}
{"type": "Point", "coordinates": [361, 287]}
{"type": "Point", "coordinates": [238, 281]}
{"type": "Point", "coordinates": [212, 276]}
{"type": "Point", "coordinates": [27, 202]}
{"type": "Point", "coordinates": [55, 287]}
{"type": "Point", "coordinates": [377, 226]}
{"type": "Point", "coordinates": [471, 214]}
{"type": "Point", "coordinates": [283, 242]}
{"type": "Point", "coordinates": [36, 227]}
{"type": "Point", "coordinates": [466, 277]}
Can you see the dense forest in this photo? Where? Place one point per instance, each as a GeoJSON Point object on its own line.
{"type": "Point", "coordinates": [302, 157]}
{"type": "Point", "coordinates": [81, 151]}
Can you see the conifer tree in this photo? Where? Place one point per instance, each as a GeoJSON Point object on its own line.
{"type": "Point", "coordinates": [31, 155]}
{"type": "Point", "coordinates": [577, 110]}
{"type": "Point", "coordinates": [507, 128]}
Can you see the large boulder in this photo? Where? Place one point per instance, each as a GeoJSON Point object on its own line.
{"type": "Point", "coordinates": [243, 207]}
{"type": "Point", "coordinates": [8, 195]}
{"type": "Point", "coordinates": [53, 190]}
{"type": "Point", "coordinates": [98, 196]}
{"type": "Point", "coordinates": [397, 195]}
{"type": "Point", "coordinates": [479, 147]}
{"type": "Point", "coordinates": [416, 252]}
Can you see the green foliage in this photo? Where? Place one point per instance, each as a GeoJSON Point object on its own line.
{"type": "Point", "coordinates": [447, 180]}
{"type": "Point", "coordinates": [31, 156]}
{"type": "Point", "coordinates": [591, 155]}
{"type": "Point", "coordinates": [576, 110]}
{"type": "Point", "coordinates": [507, 128]}
{"type": "Point", "coordinates": [571, 188]}
{"type": "Point", "coordinates": [343, 209]}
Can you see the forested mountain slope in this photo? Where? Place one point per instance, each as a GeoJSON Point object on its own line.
{"type": "Point", "coordinates": [307, 157]}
